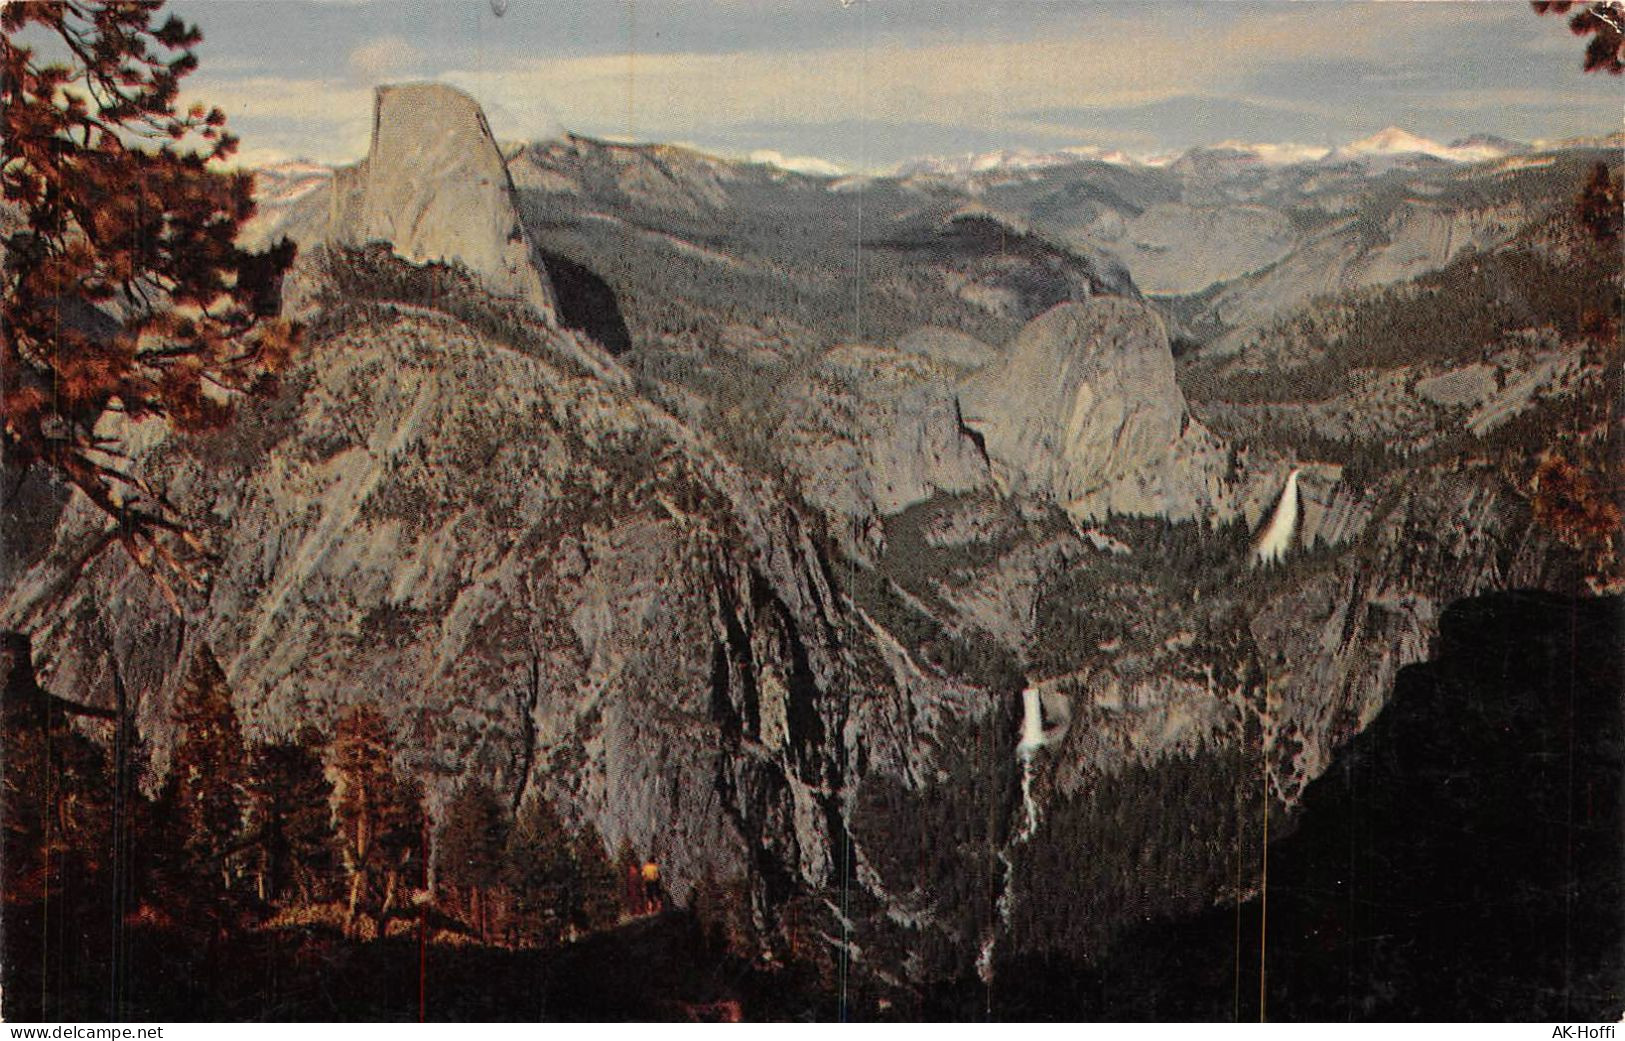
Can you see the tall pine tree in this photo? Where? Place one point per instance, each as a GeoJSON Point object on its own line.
{"type": "Point", "coordinates": [540, 871]}
{"type": "Point", "coordinates": [379, 818]}
{"type": "Point", "coordinates": [471, 848]}
{"type": "Point", "coordinates": [56, 851]}
{"type": "Point", "coordinates": [125, 291]}
{"type": "Point", "coordinates": [290, 821]}
{"type": "Point", "coordinates": [595, 902]}
{"type": "Point", "coordinates": [202, 803]}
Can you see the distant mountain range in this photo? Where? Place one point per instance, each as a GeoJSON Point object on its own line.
{"type": "Point", "coordinates": [1390, 146]}
{"type": "Point", "coordinates": [1387, 148]}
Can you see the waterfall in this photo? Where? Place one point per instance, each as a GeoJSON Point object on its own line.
{"type": "Point", "coordinates": [1033, 737]}
{"type": "Point", "coordinates": [1276, 538]}
{"type": "Point", "coordinates": [1032, 724]}
{"type": "Point", "coordinates": [984, 957]}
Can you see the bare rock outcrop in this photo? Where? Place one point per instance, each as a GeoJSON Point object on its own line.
{"type": "Point", "coordinates": [1175, 248]}
{"type": "Point", "coordinates": [1085, 408]}
{"type": "Point", "coordinates": [1360, 251]}
{"type": "Point", "coordinates": [870, 429]}
{"type": "Point", "coordinates": [434, 185]}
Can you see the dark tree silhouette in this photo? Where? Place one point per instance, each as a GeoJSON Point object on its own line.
{"type": "Point", "coordinates": [539, 871]}
{"type": "Point", "coordinates": [290, 819]}
{"type": "Point", "coordinates": [471, 848]}
{"type": "Point", "coordinates": [1604, 22]}
{"type": "Point", "coordinates": [1602, 205]}
{"type": "Point", "coordinates": [199, 813]}
{"type": "Point", "coordinates": [55, 793]}
{"type": "Point", "coordinates": [57, 871]}
{"type": "Point", "coordinates": [595, 899]}
{"type": "Point", "coordinates": [562, 882]}
{"type": "Point", "coordinates": [125, 291]}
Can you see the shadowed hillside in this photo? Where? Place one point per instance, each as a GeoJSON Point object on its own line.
{"type": "Point", "coordinates": [1459, 861]}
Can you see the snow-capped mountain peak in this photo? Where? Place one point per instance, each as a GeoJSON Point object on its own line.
{"type": "Point", "coordinates": [1395, 141]}
{"type": "Point", "coordinates": [1389, 146]}
{"type": "Point", "coordinates": [1010, 160]}
{"type": "Point", "coordinates": [812, 166]}
{"type": "Point", "coordinates": [1282, 153]}
{"type": "Point", "coordinates": [1391, 140]}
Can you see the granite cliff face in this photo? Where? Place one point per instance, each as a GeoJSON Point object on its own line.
{"type": "Point", "coordinates": [1084, 406]}
{"type": "Point", "coordinates": [1177, 248]}
{"type": "Point", "coordinates": [1415, 237]}
{"type": "Point", "coordinates": [435, 186]}
{"type": "Point", "coordinates": [1229, 239]}
{"type": "Point", "coordinates": [872, 430]}
{"type": "Point", "coordinates": [1080, 409]}
{"type": "Point", "coordinates": [541, 580]}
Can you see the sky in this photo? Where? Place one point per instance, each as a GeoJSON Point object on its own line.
{"type": "Point", "coordinates": [866, 84]}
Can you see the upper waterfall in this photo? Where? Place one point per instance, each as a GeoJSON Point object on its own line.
{"type": "Point", "coordinates": [1277, 536]}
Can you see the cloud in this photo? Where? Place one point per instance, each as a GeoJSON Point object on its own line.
{"type": "Point", "coordinates": [1102, 57]}
{"type": "Point", "coordinates": [1199, 119]}
{"type": "Point", "coordinates": [973, 84]}
{"type": "Point", "coordinates": [286, 117]}
{"type": "Point", "coordinates": [384, 59]}
{"type": "Point", "coordinates": [874, 84]}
